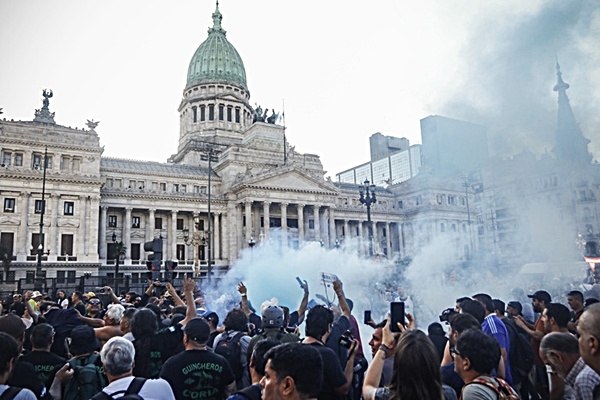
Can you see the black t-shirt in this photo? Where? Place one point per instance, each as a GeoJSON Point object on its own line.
{"type": "Point", "coordinates": [17, 308]}
{"type": "Point", "coordinates": [211, 338]}
{"type": "Point", "coordinates": [152, 352]}
{"type": "Point", "coordinates": [45, 364]}
{"type": "Point", "coordinates": [333, 340]}
{"type": "Point", "coordinates": [333, 375]}
{"type": "Point", "coordinates": [24, 376]}
{"type": "Point", "coordinates": [198, 374]}
{"type": "Point", "coordinates": [80, 307]}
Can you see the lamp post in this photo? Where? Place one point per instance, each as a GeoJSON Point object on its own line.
{"type": "Point", "coordinates": [117, 259]}
{"type": "Point", "coordinates": [367, 197]}
{"type": "Point", "coordinates": [195, 240]}
{"type": "Point", "coordinates": [251, 243]}
{"type": "Point", "coordinates": [210, 155]}
{"type": "Point", "coordinates": [39, 281]}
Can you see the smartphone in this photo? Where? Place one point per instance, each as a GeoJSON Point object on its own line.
{"type": "Point", "coordinates": [397, 313]}
{"type": "Point", "coordinates": [367, 317]}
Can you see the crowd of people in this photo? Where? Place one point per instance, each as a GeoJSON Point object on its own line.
{"type": "Point", "coordinates": [170, 344]}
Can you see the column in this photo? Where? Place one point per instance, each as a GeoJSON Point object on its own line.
{"type": "Point", "coordinates": [389, 239]}
{"type": "Point", "coordinates": [172, 253]}
{"type": "Point", "coordinates": [150, 224]}
{"type": "Point", "coordinates": [82, 233]}
{"type": "Point", "coordinates": [375, 241]}
{"type": "Point", "coordinates": [239, 231]}
{"type": "Point", "coordinates": [23, 237]}
{"type": "Point", "coordinates": [360, 236]}
{"type": "Point", "coordinates": [332, 233]}
{"type": "Point", "coordinates": [103, 216]}
{"type": "Point", "coordinates": [300, 224]}
{"type": "Point", "coordinates": [216, 237]}
{"type": "Point", "coordinates": [127, 234]}
{"type": "Point", "coordinates": [266, 217]}
{"type": "Point", "coordinates": [94, 224]}
{"type": "Point", "coordinates": [248, 214]}
{"type": "Point", "coordinates": [51, 226]}
{"type": "Point", "coordinates": [400, 241]}
{"type": "Point", "coordinates": [283, 208]}
{"type": "Point", "coordinates": [346, 231]}
{"type": "Point", "coordinates": [88, 228]}
{"type": "Point", "coordinates": [316, 217]}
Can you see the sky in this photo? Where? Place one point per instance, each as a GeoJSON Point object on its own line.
{"type": "Point", "coordinates": [344, 70]}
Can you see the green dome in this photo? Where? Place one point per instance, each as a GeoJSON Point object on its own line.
{"type": "Point", "coordinates": [216, 59]}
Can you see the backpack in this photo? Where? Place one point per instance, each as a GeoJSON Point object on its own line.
{"type": "Point", "coordinates": [231, 349]}
{"type": "Point", "coordinates": [10, 393]}
{"type": "Point", "coordinates": [521, 353]}
{"type": "Point", "coordinates": [132, 392]}
{"type": "Point", "coordinates": [87, 380]}
{"type": "Point", "coordinates": [503, 390]}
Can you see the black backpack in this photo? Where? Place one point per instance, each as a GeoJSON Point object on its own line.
{"type": "Point", "coordinates": [521, 353]}
{"type": "Point", "coordinates": [231, 349]}
{"type": "Point", "coordinates": [130, 394]}
{"type": "Point", "coordinates": [10, 393]}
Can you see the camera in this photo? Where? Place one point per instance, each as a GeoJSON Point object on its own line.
{"type": "Point", "coordinates": [346, 339]}
{"type": "Point", "coordinates": [447, 314]}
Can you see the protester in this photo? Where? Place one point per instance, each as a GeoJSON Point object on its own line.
{"type": "Point", "coordinates": [9, 353]}
{"type": "Point", "coordinates": [589, 337]}
{"type": "Point", "coordinates": [117, 357]}
{"type": "Point", "coordinates": [293, 371]}
{"type": "Point", "coordinates": [234, 341]}
{"type": "Point", "coordinates": [43, 360]}
{"type": "Point", "coordinates": [571, 378]}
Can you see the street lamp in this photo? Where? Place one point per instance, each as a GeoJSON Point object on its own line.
{"type": "Point", "coordinates": [210, 155]}
{"type": "Point", "coordinates": [251, 242]}
{"type": "Point", "coordinates": [367, 197]}
{"type": "Point", "coordinates": [117, 259]}
{"type": "Point", "coordinates": [195, 240]}
{"type": "Point", "coordinates": [336, 244]}
{"type": "Point", "coordinates": [39, 281]}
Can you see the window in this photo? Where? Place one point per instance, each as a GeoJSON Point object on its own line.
{"type": "Point", "coordinates": [183, 188]}
{"type": "Point", "coordinates": [237, 115]}
{"type": "Point", "coordinates": [135, 251]}
{"type": "Point", "coordinates": [163, 187]}
{"type": "Point", "coordinates": [155, 186]}
{"type": "Point", "coordinates": [19, 159]}
{"type": "Point", "coordinates": [39, 206]}
{"type": "Point", "coordinates": [112, 221]}
{"type": "Point", "coordinates": [109, 182]}
{"type": "Point", "coordinates": [179, 224]}
{"type": "Point", "coordinates": [221, 109]}
{"type": "Point", "coordinates": [135, 222]}
{"type": "Point", "coordinates": [35, 243]}
{"type": "Point", "coordinates": [36, 161]}
{"type": "Point", "coordinates": [69, 206]}
{"type": "Point", "coordinates": [401, 204]}
{"type": "Point", "coordinates": [194, 114]}
{"type": "Point", "coordinates": [176, 187]}
{"type": "Point", "coordinates": [60, 276]}
{"type": "Point", "coordinates": [6, 156]}
{"type": "Point", "coordinates": [7, 240]}
{"type": "Point", "coordinates": [48, 162]}
{"type": "Point", "coordinates": [76, 164]}
{"type": "Point", "coordinates": [181, 252]}
{"type": "Point", "coordinates": [158, 223]}
{"type": "Point", "coordinates": [196, 189]}
{"type": "Point", "coordinates": [71, 276]}
{"type": "Point", "coordinates": [118, 183]}
{"type": "Point", "coordinates": [66, 245]}
{"type": "Point", "coordinates": [451, 200]}
{"type": "Point", "coordinates": [229, 110]}
{"type": "Point", "coordinates": [203, 189]}
{"type": "Point", "coordinates": [9, 205]}
{"type": "Point", "coordinates": [65, 163]}
{"type": "Point", "coordinates": [311, 224]}
{"type": "Point", "coordinates": [202, 113]}
{"type": "Point", "coordinates": [211, 112]}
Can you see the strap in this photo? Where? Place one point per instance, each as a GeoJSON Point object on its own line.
{"type": "Point", "coordinates": [10, 393]}
{"type": "Point", "coordinates": [136, 385]}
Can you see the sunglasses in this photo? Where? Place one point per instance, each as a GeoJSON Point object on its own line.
{"type": "Point", "coordinates": [94, 302]}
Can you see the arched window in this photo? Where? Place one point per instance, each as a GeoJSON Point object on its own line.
{"type": "Point", "coordinates": [195, 114]}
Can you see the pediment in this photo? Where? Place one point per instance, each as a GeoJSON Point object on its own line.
{"type": "Point", "coordinates": [4, 220]}
{"type": "Point", "coordinates": [290, 180]}
{"type": "Point", "coordinates": [68, 222]}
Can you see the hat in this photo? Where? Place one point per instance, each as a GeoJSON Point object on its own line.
{"type": "Point", "coordinates": [516, 305]}
{"type": "Point", "coordinates": [208, 315]}
{"type": "Point", "coordinates": [272, 317]}
{"type": "Point", "coordinates": [83, 340]}
{"type": "Point", "coordinates": [36, 294]}
{"type": "Point", "coordinates": [90, 294]}
{"type": "Point", "coordinates": [17, 295]}
{"type": "Point", "coordinates": [197, 329]}
{"type": "Point", "coordinates": [541, 295]}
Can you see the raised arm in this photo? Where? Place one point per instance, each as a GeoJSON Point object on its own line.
{"type": "Point", "coordinates": [303, 302]}
{"type": "Point", "coordinates": [244, 292]}
{"type": "Point", "coordinates": [339, 291]}
{"type": "Point", "coordinates": [176, 299]}
{"type": "Point", "coordinates": [188, 290]}
{"type": "Point", "coordinates": [108, 290]}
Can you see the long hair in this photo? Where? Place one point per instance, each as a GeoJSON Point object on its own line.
{"type": "Point", "coordinates": [416, 374]}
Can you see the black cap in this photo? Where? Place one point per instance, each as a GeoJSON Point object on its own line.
{"type": "Point", "coordinates": [197, 329]}
{"type": "Point", "coordinates": [541, 295]}
{"type": "Point", "coordinates": [83, 340]}
{"type": "Point", "coordinates": [516, 305]}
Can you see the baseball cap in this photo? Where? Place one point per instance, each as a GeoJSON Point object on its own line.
{"type": "Point", "coordinates": [36, 294]}
{"type": "Point", "coordinates": [541, 295]}
{"type": "Point", "coordinates": [197, 329]}
{"type": "Point", "coordinates": [516, 305]}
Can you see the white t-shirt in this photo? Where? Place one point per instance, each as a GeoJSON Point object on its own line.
{"type": "Point", "coordinates": [158, 389]}
{"type": "Point", "coordinates": [24, 394]}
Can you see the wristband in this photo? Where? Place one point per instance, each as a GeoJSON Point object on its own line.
{"type": "Point", "coordinates": [385, 350]}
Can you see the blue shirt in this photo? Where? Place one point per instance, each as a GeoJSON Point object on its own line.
{"type": "Point", "coordinates": [494, 327]}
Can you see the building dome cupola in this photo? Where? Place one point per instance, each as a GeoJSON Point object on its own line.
{"type": "Point", "coordinates": [216, 60]}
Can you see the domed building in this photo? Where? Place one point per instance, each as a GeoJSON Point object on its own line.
{"type": "Point", "coordinates": [233, 181]}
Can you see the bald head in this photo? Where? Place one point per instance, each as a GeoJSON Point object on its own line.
{"type": "Point", "coordinates": [588, 328]}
